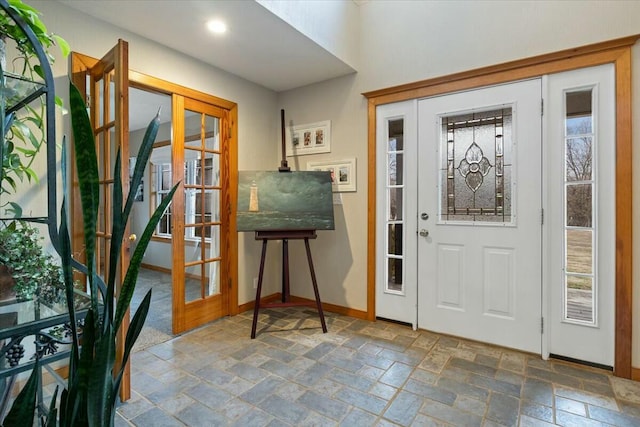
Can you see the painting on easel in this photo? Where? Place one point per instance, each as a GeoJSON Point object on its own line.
{"type": "Point", "coordinates": [284, 201]}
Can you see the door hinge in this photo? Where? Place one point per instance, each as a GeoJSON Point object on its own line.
{"type": "Point", "coordinates": [542, 325]}
{"type": "Point", "coordinates": [542, 107]}
{"type": "Point", "coordinates": [541, 216]}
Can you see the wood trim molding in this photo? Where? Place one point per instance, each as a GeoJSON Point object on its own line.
{"type": "Point", "coordinates": [616, 51]}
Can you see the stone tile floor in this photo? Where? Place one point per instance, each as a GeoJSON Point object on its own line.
{"type": "Point", "coordinates": [360, 374]}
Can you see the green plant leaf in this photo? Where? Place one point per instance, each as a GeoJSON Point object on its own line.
{"type": "Point", "coordinates": [141, 161]}
{"type": "Point", "coordinates": [62, 44]}
{"type": "Point", "coordinates": [87, 167]}
{"type": "Point", "coordinates": [52, 416]}
{"type": "Point", "coordinates": [22, 412]}
{"type": "Point", "coordinates": [118, 225]}
{"type": "Point", "coordinates": [99, 393]}
{"type": "Point", "coordinates": [129, 282]}
{"type": "Point", "coordinates": [135, 327]}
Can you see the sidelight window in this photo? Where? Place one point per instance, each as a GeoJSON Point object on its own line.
{"type": "Point", "coordinates": [579, 220]}
{"type": "Point", "coordinates": [395, 206]}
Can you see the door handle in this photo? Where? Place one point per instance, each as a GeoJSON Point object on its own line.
{"type": "Point", "coordinates": [424, 233]}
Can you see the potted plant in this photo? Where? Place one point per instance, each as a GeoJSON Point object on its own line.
{"type": "Point", "coordinates": [94, 380]}
{"type": "Point", "coordinates": [26, 267]}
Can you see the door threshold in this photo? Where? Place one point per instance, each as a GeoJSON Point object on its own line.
{"type": "Point", "coordinates": [581, 362]}
{"type": "Point", "coordinates": [397, 322]}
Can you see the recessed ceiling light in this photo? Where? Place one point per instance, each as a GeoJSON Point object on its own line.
{"type": "Point", "coordinates": [216, 26]}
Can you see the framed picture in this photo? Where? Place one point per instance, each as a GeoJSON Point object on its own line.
{"type": "Point", "coordinates": [311, 138]}
{"type": "Point", "coordinates": [343, 173]}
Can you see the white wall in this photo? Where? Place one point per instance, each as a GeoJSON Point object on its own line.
{"type": "Point", "coordinates": [407, 41]}
{"type": "Point", "coordinates": [255, 104]}
{"type": "Point", "coordinates": [331, 24]}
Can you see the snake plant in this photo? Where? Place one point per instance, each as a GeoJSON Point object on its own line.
{"type": "Point", "coordinates": [90, 397]}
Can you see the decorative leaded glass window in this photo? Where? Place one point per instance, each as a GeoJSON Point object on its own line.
{"type": "Point", "coordinates": [476, 170]}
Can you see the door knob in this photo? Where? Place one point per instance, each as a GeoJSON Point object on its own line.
{"type": "Point", "coordinates": [424, 233]}
{"type": "Point", "coordinates": [133, 237]}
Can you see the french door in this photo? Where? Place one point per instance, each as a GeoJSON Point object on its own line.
{"type": "Point", "coordinates": [201, 214]}
{"type": "Point", "coordinates": [200, 219]}
{"type": "Point", "coordinates": [105, 84]}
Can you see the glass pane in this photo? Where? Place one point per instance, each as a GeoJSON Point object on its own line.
{"type": "Point", "coordinates": [214, 209]}
{"type": "Point", "coordinates": [396, 168]}
{"type": "Point", "coordinates": [579, 112]}
{"type": "Point", "coordinates": [113, 151]}
{"type": "Point", "coordinates": [211, 169]}
{"type": "Point", "coordinates": [212, 283]}
{"type": "Point", "coordinates": [112, 97]}
{"type": "Point", "coordinates": [165, 177]}
{"type": "Point", "coordinates": [579, 205]}
{"type": "Point", "coordinates": [191, 166]}
{"type": "Point", "coordinates": [394, 282]}
{"type": "Point", "coordinates": [192, 129]}
{"type": "Point", "coordinates": [212, 133]}
{"type": "Point", "coordinates": [580, 251]}
{"type": "Point", "coordinates": [476, 166]}
{"type": "Point", "coordinates": [395, 239]}
{"type": "Point", "coordinates": [213, 243]}
{"type": "Point", "coordinates": [578, 159]}
{"type": "Point", "coordinates": [100, 226]}
{"type": "Point", "coordinates": [100, 153]}
{"type": "Point", "coordinates": [579, 298]}
{"type": "Point", "coordinates": [100, 89]}
{"type": "Point", "coordinates": [192, 281]}
{"type": "Point", "coordinates": [164, 226]}
{"type": "Point", "coordinates": [396, 133]}
{"type": "Point", "coordinates": [395, 204]}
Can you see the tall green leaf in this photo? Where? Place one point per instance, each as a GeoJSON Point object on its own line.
{"type": "Point", "coordinates": [22, 411]}
{"type": "Point", "coordinates": [87, 169]}
{"type": "Point", "coordinates": [118, 226]}
{"type": "Point", "coordinates": [99, 392]}
{"type": "Point", "coordinates": [132, 335]}
{"type": "Point", "coordinates": [129, 283]}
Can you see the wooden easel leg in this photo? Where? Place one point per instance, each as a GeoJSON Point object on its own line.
{"type": "Point", "coordinates": [256, 306]}
{"type": "Point", "coordinates": [286, 292]}
{"type": "Point", "coordinates": [315, 286]}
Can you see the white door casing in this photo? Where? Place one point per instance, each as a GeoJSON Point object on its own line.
{"type": "Point", "coordinates": [581, 322]}
{"type": "Point", "coordinates": [480, 278]}
{"type": "Point", "coordinates": [396, 251]}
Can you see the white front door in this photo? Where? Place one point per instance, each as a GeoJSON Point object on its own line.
{"type": "Point", "coordinates": [396, 203]}
{"type": "Point", "coordinates": [580, 174]}
{"type": "Point", "coordinates": [479, 215]}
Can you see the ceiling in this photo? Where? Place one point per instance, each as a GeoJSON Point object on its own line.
{"type": "Point", "coordinates": [258, 46]}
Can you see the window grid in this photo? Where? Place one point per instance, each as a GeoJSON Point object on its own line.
{"type": "Point", "coordinates": [394, 237]}
{"type": "Point", "coordinates": [580, 225]}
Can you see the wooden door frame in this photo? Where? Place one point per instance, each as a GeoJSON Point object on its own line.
{"type": "Point", "coordinates": [617, 52]}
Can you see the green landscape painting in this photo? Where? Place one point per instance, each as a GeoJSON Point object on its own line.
{"type": "Point", "coordinates": [271, 200]}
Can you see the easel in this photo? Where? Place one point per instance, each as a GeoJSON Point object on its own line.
{"type": "Point", "coordinates": [285, 236]}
